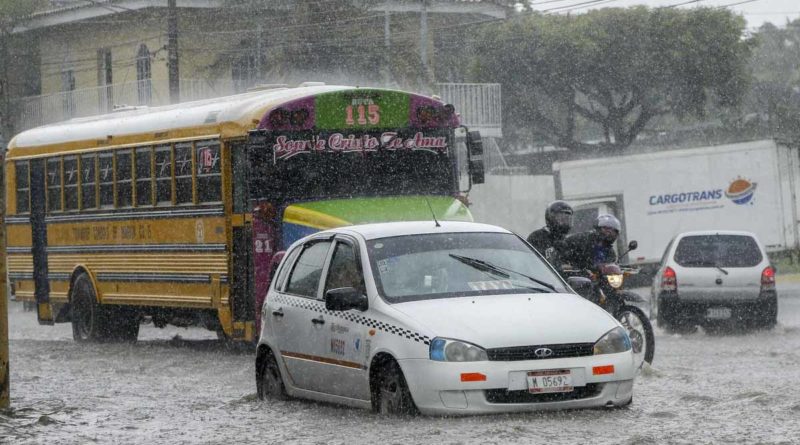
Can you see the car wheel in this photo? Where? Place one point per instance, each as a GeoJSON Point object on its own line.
{"type": "Point", "coordinates": [393, 396]}
{"type": "Point", "coordinates": [769, 314]}
{"type": "Point", "coordinates": [269, 382]}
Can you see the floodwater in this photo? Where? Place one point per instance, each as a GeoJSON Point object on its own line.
{"type": "Point", "coordinates": [181, 386]}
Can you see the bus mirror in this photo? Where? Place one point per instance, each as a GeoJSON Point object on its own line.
{"type": "Point", "coordinates": [475, 156]}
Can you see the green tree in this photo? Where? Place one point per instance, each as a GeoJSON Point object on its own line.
{"type": "Point", "coordinates": [605, 74]}
{"type": "Point", "coordinates": [775, 96]}
{"type": "Point", "coordinates": [13, 13]}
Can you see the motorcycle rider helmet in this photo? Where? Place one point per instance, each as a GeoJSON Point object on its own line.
{"type": "Point", "coordinates": [608, 227]}
{"type": "Point", "coordinates": [558, 217]}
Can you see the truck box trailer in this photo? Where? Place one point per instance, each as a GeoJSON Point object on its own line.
{"type": "Point", "coordinates": [743, 186]}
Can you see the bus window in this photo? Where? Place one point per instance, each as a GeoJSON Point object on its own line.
{"type": "Point", "coordinates": [144, 178]}
{"type": "Point", "coordinates": [23, 187]}
{"type": "Point", "coordinates": [54, 185]}
{"type": "Point", "coordinates": [71, 175]}
{"type": "Point", "coordinates": [164, 174]}
{"type": "Point", "coordinates": [209, 182]}
{"type": "Point", "coordinates": [124, 182]}
{"type": "Point", "coordinates": [183, 174]}
{"type": "Point", "coordinates": [88, 182]}
{"type": "Point", "coordinates": [107, 180]}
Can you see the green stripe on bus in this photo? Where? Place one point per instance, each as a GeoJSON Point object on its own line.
{"type": "Point", "coordinates": [394, 208]}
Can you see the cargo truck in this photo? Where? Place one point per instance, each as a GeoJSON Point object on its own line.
{"type": "Point", "coordinates": [748, 186]}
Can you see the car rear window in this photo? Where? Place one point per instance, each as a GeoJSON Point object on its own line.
{"type": "Point", "coordinates": [718, 251]}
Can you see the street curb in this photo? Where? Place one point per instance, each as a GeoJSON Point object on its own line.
{"type": "Point", "coordinates": [788, 278]}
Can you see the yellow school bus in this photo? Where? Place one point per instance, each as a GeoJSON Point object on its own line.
{"type": "Point", "coordinates": [178, 214]}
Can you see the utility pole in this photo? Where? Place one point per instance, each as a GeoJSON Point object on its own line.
{"type": "Point", "coordinates": [423, 36]}
{"type": "Point", "coordinates": [172, 51]}
{"type": "Point", "coordinates": [4, 369]}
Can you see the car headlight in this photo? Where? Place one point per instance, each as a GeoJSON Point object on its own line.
{"type": "Point", "coordinates": [447, 350]}
{"type": "Point", "coordinates": [614, 341]}
{"type": "Point", "coordinates": [614, 280]}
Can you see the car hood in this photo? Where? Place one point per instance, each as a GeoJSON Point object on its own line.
{"type": "Point", "coordinates": [494, 321]}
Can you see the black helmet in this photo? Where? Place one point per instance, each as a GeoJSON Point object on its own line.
{"type": "Point", "coordinates": [608, 226]}
{"type": "Point", "coordinates": [558, 217]}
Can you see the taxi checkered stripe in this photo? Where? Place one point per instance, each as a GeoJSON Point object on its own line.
{"type": "Point", "coordinates": [312, 305]}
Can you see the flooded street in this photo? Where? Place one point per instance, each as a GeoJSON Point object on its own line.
{"type": "Point", "coordinates": [181, 386]}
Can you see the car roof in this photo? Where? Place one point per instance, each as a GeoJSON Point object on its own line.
{"type": "Point", "coordinates": [390, 229]}
{"type": "Point", "coordinates": [716, 232]}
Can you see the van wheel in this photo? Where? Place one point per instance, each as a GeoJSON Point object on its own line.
{"type": "Point", "coordinates": [89, 319]}
{"type": "Point", "coordinates": [269, 383]}
{"type": "Point", "coordinates": [392, 394]}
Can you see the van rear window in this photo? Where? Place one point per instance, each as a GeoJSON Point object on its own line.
{"type": "Point", "coordinates": [718, 251]}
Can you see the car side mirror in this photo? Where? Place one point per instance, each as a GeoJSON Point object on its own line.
{"type": "Point", "coordinates": [344, 299]}
{"type": "Point", "coordinates": [632, 245]}
{"type": "Point", "coordinates": [581, 285]}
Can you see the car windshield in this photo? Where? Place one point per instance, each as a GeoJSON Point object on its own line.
{"type": "Point", "coordinates": [447, 265]}
{"type": "Point", "coordinates": [718, 251]}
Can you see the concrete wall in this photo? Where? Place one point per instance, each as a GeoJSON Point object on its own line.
{"type": "Point", "coordinates": [516, 202]}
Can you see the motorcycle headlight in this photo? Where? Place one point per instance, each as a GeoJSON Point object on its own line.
{"type": "Point", "coordinates": [447, 350]}
{"type": "Point", "coordinates": [614, 341]}
{"type": "Point", "coordinates": [614, 280]}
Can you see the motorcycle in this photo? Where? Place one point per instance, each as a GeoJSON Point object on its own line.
{"type": "Point", "coordinates": [604, 286]}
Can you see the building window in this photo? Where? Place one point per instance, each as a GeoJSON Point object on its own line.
{"type": "Point", "coordinates": [23, 187]}
{"type": "Point", "coordinates": [67, 88]}
{"type": "Point", "coordinates": [105, 79]}
{"type": "Point", "coordinates": [246, 70]}
{"type": "Point", "coordinates": [143, 75]}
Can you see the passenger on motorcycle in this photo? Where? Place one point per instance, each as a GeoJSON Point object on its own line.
{"type": "Point", "coordinates": [558, 222]}
{"type": "Point", "coordinates": [588, 249]}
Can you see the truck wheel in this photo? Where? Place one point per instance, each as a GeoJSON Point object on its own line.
{"type": "Point", "coordinates": [89, 319]}
{"type": "Point", "coordinates": [393, 396]}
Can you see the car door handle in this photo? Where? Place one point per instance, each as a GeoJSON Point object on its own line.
{"type": "Point", "coordinates": [278, 312]}
{"type": "Point", "coordinates": [319, 320]}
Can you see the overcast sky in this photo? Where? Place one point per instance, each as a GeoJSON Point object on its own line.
{"type": "Point", "coordinates": [756, 12]}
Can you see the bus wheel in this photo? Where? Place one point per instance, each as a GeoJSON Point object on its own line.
{"type": "Point", "coordinates": [88, 318]}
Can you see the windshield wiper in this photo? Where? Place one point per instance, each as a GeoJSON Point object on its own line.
{"type": "Point", "coordinates": [722, 270]}
{"type": "Point", "coordinates": [499, 270]}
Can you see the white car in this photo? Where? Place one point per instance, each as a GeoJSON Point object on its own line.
{"type": "Point", "coordinates": [714, 277]}
{"type": "Point", "coordinates": [444, 318]}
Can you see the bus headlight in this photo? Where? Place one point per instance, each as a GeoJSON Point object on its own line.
{"type": "Point", "coordinates": [614, 280]}
{"type": "Point", "coordinates": [447, 350]}
{"type": "Point", "coordinates": [614, 341]}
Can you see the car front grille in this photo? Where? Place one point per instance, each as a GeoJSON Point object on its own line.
{"type": "Point", "coordinates": [523, 396]}
{"type": "Point", "coordinates": [529, 352]}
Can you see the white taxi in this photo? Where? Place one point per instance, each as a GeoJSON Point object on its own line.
{"type": "Point", "coordinates": [440, 318]}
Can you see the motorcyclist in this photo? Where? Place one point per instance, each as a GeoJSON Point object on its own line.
{"type": "Point", "coordinates": [558, 222]}
{"type": "Point", "coordinates": [588, 249]}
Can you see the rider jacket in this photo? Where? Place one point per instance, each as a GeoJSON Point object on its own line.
{"type": "Point", "coordinates": [586, 250]}
{"type": "Point", "coordinates": [546, 242]}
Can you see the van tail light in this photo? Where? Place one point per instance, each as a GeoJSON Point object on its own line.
{"type": "Point", "coordinates": [768, 279]}
{"type": "Point", "coordinates": [669, 281]}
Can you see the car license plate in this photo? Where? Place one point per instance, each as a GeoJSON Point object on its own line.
{"type": "Point", "coordinates": [718, 313]}
{"type": "Point", "coordinates": [553, 380]}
